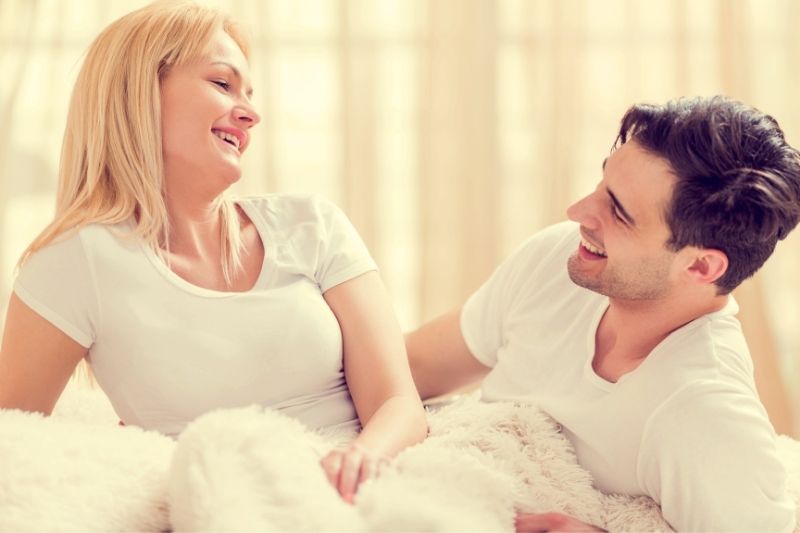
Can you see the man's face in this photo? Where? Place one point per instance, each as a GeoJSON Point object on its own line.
{"type": "Point", "coordinates": [623, 252]}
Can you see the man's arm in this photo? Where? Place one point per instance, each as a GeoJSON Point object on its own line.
{"type": "Point", "coordinates": [439, 358]}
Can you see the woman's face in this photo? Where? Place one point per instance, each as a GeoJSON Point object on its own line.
{"type": "Point", "coordinates": [206, 118]}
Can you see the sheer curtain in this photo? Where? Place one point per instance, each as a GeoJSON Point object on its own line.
{"type": "Point", "coordinates": [448, 130]}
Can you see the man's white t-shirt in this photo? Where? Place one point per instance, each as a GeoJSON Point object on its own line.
{"type": "Point", "coordinates": [166, 351]}
{"type": "Point", "coordinates": [686, 427]}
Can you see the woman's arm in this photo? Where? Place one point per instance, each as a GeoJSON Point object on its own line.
{"type": "Point", "coordinates": [379, 380]}
{"type": "Point", "coordinates": [36, 360]}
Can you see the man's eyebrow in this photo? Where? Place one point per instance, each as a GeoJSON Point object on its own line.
{"type": "Point", "coordinates": [619, 207]}
{"type": "Point", "coordinates": [235, 73]}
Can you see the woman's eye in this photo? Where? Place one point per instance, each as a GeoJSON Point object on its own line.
{"type": "Point", "coordinates": [617, 215]}
{"type": "Point", "coordinates": [224, 85]}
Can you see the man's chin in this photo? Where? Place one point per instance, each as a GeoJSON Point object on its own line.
{"type": "Point", "coordinates": [580, 279]}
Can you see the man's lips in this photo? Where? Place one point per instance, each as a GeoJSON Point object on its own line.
{"type": "Point", "coordinates": [588, 255]}
{"type": "Point", "coordinates": [591, 247]}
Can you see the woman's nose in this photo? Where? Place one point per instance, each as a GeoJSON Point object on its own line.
{"type": "Point", "coordinates": [247, 116]}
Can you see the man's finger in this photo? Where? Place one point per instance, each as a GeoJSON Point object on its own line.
{"type": "Point", "coordinates": [531, 523]}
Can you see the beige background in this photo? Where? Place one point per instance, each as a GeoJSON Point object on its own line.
{"type": "Point", "coordinates": [449, 130]}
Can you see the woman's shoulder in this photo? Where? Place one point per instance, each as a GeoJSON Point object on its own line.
{"type": "Point", "coordinates": [290, 208]}
{"type": "Point", "coordinates": [285, 200]}
{"type": "Point", "coordinates": [76, 243]}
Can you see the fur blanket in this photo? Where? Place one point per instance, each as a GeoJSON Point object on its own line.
{"type": "Point", "coordinates": [251, 469]}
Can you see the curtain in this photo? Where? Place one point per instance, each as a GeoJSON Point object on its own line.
{"type": "Point", "coordinates": [448, 130]}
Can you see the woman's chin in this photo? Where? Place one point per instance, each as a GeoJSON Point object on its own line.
{"type": "Point", "coordinates": [230, 175]}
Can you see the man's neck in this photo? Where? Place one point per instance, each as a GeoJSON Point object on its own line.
{"type": "Point", "coordinates": [629, 331]}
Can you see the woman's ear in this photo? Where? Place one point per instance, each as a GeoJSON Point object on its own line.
{"type": "Point", "coordinates": [708, 265]}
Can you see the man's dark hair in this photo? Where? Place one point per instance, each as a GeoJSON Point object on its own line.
{"type": "Point", "coordinates": [738, 181]}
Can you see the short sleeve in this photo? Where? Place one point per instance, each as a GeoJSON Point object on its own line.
{"type": "Point", "coordinates": [343, 255]}
{"type": "Point", "coordinates": [56, 282]}
{"type": "Point", "coordinates": [709, 457]}
{"type": "Point", "coordinates": [484, 313]}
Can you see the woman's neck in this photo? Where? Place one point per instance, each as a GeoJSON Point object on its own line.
{"type": "Point", "coordinates": [194, 227]}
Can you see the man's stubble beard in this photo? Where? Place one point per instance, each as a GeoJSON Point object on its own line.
{"type": "Point", "coordinates": [640, 283]}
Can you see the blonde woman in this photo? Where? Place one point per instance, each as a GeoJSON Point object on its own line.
{"type": "Point", "coordinates": [181, 299]}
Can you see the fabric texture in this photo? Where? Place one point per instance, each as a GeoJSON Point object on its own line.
{"type": "Point", "coordinates": [250, 469]}
{"type": "Point", "coordinates": [685, 427]}
{"type": "Point", "coordinates": [78, 471]}
{"type": "Point", "coordinates": [278, 344]}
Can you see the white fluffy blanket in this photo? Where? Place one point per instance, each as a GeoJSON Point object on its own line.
{"type": "Point", "coordinates": [254, 470]}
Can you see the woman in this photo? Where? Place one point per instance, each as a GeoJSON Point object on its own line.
{"type": "Point", "coordinates": [181, 299]}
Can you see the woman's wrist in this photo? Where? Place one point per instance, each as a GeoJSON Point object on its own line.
{"type": "Point", "coordinates": [400, 422]}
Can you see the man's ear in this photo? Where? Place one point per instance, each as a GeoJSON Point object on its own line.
{"type": "Point", "coordinates": [708, 265]}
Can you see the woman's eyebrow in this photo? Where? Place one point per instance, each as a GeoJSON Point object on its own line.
{"type": "Point", "coordinates": [236, 73]}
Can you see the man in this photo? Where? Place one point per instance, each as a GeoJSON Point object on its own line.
{"type": "Point", "coordinates": [620, 324]}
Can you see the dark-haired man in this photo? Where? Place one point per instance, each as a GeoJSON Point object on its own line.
{"type": "Point", "coordinates": [620, 325]}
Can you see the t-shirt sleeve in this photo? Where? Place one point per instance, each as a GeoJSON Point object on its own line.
{"type": "Point", "coordinates": [709, 456]}
{"type": "Point", "coordinates": [485, 311]}
{"type": "Point", "coordinates": [56, 282]}
{"type": "Point", "coordinates": [343, 254]}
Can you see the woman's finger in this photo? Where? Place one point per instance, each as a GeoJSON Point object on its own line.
{"type": "Point", "coordinates": [369, 469]}
{"type": "Point", "coordinates": [349, 473]}
{"type": "Point", "coordinates": [332, 465]}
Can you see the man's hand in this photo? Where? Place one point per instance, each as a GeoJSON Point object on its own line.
{"type": "Point", "coordinates": [349, 467]}
{"type": "Point", "coordinates": [532, 523]}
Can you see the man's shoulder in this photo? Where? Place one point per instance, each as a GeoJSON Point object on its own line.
{"type": "Point", "coordinates": [555, 235]}
{"type": "Point", "coordinates": [551, 243]}
{"type": "Point", "coordinates": [711, 349]}
{"type": "Point", "coordinates": [532, 285]}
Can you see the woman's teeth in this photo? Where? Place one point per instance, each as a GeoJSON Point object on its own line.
{"type": "Point", "coordinates": [225, 136]}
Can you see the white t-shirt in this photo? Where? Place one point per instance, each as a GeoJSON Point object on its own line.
{"type": "Point", "coordinates": [166, 351]}
{"type": "Point", "coordinates": [686, 427]}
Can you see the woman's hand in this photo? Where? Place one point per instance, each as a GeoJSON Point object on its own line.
{"type": "Point", "coordinates": [349, 467]}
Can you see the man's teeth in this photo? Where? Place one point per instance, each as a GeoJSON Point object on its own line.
{"type": "Point", "coordinates": [225, 136]}
{"type": "Point", "coordinates": [594, 249]}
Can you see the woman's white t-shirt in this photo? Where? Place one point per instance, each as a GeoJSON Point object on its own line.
{"type": "Point", "coordinates": [166, 351]}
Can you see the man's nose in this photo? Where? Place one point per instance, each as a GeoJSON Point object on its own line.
{"type": "Point", "coordinates": [584, 212]}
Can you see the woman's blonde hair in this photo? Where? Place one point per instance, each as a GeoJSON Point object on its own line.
{"type": "Point", "coordinates": [111, 167]}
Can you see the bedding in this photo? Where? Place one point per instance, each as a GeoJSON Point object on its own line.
{"type": "Point", "coordinates": [253, 469]}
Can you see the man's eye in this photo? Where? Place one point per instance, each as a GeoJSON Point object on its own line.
{"type": "Point", "coordinates": [617, 215]}
{"type": "Point", "coordinates": [224, 85]}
